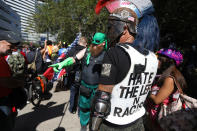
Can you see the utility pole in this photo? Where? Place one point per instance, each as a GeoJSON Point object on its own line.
{"type": "Point", "coordinates": [47, 20]}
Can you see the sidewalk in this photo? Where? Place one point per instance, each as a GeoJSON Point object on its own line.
{"type": "Point", "coordinates": [52, 115]}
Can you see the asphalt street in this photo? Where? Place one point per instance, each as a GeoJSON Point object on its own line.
{"type": "Point", "coordinates": [51, 115]}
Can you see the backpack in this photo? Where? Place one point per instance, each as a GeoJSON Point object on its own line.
{"type": "Point", "coordinates": [16, 62]}
{"type": "Point", "coordinates": [32, 66]}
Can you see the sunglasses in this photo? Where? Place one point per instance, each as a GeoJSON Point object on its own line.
{"type": "Point", "coordinates": [98, 41]}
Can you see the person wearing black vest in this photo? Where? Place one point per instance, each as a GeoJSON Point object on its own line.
{"type": "Point", "coordinates": [91, 60]}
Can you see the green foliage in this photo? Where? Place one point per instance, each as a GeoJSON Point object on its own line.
{"type": "Point", "coordinates": [67, 17]}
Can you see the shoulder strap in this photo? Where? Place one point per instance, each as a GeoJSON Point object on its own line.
{"type": "Point", "coordinates": [177, 84]}
{"type": "Point", "coordinates": [35, 56]}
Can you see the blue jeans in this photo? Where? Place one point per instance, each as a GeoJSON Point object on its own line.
{"type": "Point", "coordinates": [74, 93]}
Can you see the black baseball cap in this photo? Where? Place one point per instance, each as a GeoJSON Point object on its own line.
{"type": "Point", "coordinates": [10, 37]}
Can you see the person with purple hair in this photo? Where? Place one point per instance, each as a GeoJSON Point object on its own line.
{"type": "Point", "coordinates": [129, 66]}
{"type": "Point", "coordinates": [164, 89]}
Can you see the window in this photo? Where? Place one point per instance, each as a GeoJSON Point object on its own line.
{"type": "Point", "coordinates": [5, 19]}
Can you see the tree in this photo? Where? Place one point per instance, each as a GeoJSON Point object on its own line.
{"type": "Point", "coordinates": [67, 17]}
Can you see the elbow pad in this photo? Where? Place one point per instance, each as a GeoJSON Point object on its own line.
{"type": "Point", "coordinates": [100, 109]}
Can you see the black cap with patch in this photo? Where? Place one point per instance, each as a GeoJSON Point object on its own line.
{"type": "Point", "coordinates": [10, 37]}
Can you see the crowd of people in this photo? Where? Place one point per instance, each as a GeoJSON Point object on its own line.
{"type": "Point", "coordinates": [116, 81]}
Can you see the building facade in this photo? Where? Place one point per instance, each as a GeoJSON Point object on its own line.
{"type": "Point", "coordinates": [9, 19]}
{"type": "Point", "coordinates": [25, 9]}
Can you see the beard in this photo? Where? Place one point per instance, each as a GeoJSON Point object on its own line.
{"type": "Point", "coordinates": [95, 51]}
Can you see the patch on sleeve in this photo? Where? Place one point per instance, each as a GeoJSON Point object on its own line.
{"type": "Point", "coordinates": [106, 68]}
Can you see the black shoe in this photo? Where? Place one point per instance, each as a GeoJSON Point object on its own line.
{"type": "Point", "coordinates": [73, 112]}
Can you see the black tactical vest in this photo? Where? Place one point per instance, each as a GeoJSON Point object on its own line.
{"type": "Point", "coordinates": [91, 72]}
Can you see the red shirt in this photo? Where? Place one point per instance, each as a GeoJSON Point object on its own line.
{"type": "Point", "coordinates": [4, 72]}
{"type": "Point", "coordinates": [22, 53]}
